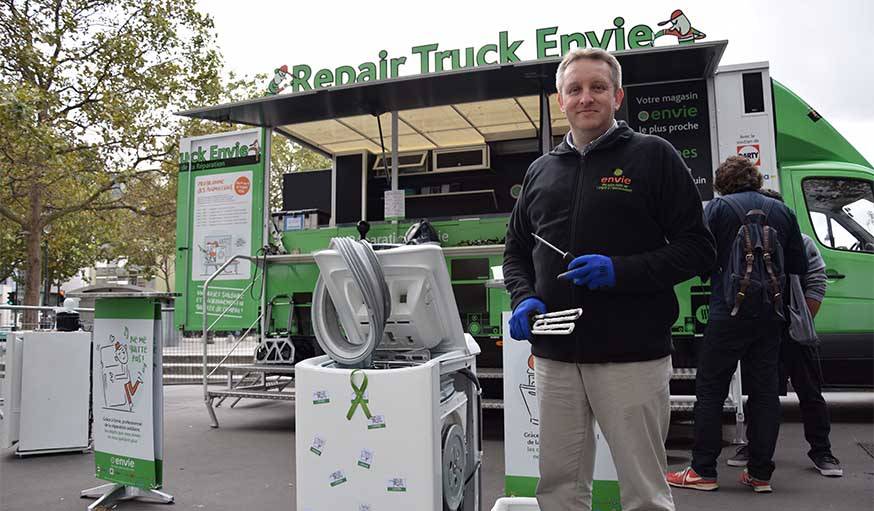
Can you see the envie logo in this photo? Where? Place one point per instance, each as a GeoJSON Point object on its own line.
{"type": "Point", "coordinates": [617, 182]}
{"type": "Point", "coordinates": [617, 178]}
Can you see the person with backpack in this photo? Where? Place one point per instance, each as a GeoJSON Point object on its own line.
{"type": "Point", "coordinates": [758, 243]}
{"type": "Point", "coordinates": [799, 358]}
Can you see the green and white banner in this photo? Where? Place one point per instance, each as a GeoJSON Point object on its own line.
{"type": "Point", "coordinates": [220, 214]}
{"type": "Point", "coordinates": [127, 391]}
{"type": "Point", "coordinates": [522, 431]}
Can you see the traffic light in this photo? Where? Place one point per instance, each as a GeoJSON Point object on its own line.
{"type": "Point", "coordinates": [10, 298]}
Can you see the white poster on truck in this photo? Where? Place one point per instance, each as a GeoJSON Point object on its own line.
{"type": "Point", "coordinates": [222, 224]}
{"type": "Point", "coordinates": [522, 431]}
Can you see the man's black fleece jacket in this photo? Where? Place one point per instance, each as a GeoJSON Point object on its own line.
{"type": "Point", "coordinates": [631, 198]}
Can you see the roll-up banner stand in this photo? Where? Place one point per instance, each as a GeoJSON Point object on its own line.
{"type": "Point", "coordinates": [128, 403]}
{"type": "Point", "coordinates": [522, 431]}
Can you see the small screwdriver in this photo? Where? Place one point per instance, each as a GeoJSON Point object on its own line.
{"type": "Point", "coordinates": [567, 257]}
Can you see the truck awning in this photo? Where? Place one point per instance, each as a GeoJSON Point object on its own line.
{"type": "Point", "coordinates": [449, 109]}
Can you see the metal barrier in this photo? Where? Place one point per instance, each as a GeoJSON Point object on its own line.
{"type": "Point", "coordinates": [178, 369]}
{"type": "Point", "coordinates": [45, 317]}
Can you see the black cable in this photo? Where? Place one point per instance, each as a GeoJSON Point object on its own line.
{"type": "Point", "coordinates": [382, 145]}
{"type": "Point", "coordinates": [254, 274]}
{"type": "Point", "coordinates": [467, 373]}
{"type": "Point", "coordinates": [261, 252]}
{"type": "Point", "coordinates": [472, 473]}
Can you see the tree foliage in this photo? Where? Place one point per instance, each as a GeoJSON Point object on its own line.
{"type": "Point", "coordinates": [88, 142]}
{"type": "Point", "coordinates": [86, 91]}
{"type": "Point", "coordinates": [285, 155]}
{"type": "Point", "coordinates": [149, 242]}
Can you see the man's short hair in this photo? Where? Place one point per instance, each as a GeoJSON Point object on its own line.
{"type": "Point", "coordinates": [737, 174]}
{"type": "Point", "coordinates": [591, 54]}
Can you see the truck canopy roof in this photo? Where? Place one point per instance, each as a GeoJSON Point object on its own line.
{"type": "Point", "coordinates": [449, 109]}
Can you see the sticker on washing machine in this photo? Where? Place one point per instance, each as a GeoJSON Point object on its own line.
{"type": "Point", "coordinates": [337, 478]}
{"type": "Point", "coordinates": [365, 459]}
{"type": "Point", "coordinates": [320, 397]}
{"type": "Point", "coordinates": [318, 445]}
{"type": "Point", "coordinates": [396, 484]}
{"type": "Point", "coordinates": [376, 422]}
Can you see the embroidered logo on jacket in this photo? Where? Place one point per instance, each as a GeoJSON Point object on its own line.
{"type": "Point", "coordinates": [615, 183]}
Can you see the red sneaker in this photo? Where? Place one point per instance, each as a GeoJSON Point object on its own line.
{"type": "Point", "coordinates": [758, 485]}
{"type": "Point", "coordinates": [687, 478]}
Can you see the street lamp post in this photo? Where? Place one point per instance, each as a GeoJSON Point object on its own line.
{"type": "Point", "coordinates": [44, 297]}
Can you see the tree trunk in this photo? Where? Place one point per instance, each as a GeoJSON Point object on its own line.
{"type": "Point", "coordinates": [165, 272]}
{"type": "Point", "coordinates": [33, 280]}
{"type": "Point", "coordinates": [33, 275]}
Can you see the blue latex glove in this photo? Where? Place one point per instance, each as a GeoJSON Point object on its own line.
{"type": "Point", "coordinates": [591, 270]}
{"type": "Point", "coordinates": [520, 321]}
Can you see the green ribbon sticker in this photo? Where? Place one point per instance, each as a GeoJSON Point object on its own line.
{"type": "Point", "coordinates": [359, 399]}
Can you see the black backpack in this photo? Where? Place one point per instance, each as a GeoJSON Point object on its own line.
{"type": "Point", "coordinates": [754, 279]}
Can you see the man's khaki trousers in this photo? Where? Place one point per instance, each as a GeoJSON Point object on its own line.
{"type": "Point", "coordinates": [631, 402]}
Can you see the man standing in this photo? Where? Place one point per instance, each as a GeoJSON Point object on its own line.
{"type": "Point", "coordinates": [628, 203]}
{"type": "Point", "coordinates": [745, 323]}
{"type": "Point", "coordinates": [800, 362]}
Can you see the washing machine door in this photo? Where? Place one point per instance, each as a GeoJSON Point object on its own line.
{"type": "Point", "coordinates": [344, 345]}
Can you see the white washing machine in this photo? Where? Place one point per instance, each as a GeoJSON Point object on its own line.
{"type": "Point", "coordinates": [390, 418]}
{"type": "Point", "coordinates": [46, 392]}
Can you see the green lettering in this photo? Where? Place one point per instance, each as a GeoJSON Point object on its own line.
{"type": "Point", "coordinates": [300, 78]}
{"type": "Point", "coordinates": [640, 37]}
{"type": "Point", "coordinates": [507, 52]}
{"type": "Point", "coordinates": [605, 39]}
{"type": "Point", "coordinates": [481, 54]}
{"type": "Point", "coordinates": [577, 38]}
{"type": "Point", "coordinates": [690, 153]}
{"type": "Point", "coordinates": [213, 152]}
{"type": "Point", "coordinates": [441, 56]}
{"type": "Point", "coordinates": [344, 75]}
{"type": "Point", "coordinates": [383, 65]}
{"type": "Point", "coordinates": [396, 65]}
{"type": "Point", "coordinates": [543, 44]}
{"type": "Point", "coordinates": [692, 111]}
{"type": "Point", "coordinates": [244, 150]}
{"type": "Point", "coordinates": [619, 23]}
{"type": "Point", "coordinates": [423, 51]}
{"type": "Point", "coordinates": [324, 78]}
{"type": "Point", "coordinates": [367, 72]}
{"type": "Point", "coordinates": [469, 57]}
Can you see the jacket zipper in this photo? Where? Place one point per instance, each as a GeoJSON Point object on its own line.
{"type": "Point", "coordinates": [575, 205]}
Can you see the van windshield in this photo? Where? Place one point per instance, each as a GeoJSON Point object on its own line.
{"type": "Point", "coordinates": [862, 213]}
{"type": "Point", "coordinates": [841, 212]}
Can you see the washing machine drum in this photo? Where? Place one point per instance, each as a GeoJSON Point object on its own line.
{"type": "Point", "coordinates": [343, 349]}
{"type": "Point", "coordinates": [366, 272]}
{"type": "Point", "coordinates": [454, 466]}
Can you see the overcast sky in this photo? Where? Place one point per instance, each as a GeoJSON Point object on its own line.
{"type": "Point", "coordinates": [822, 52]}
